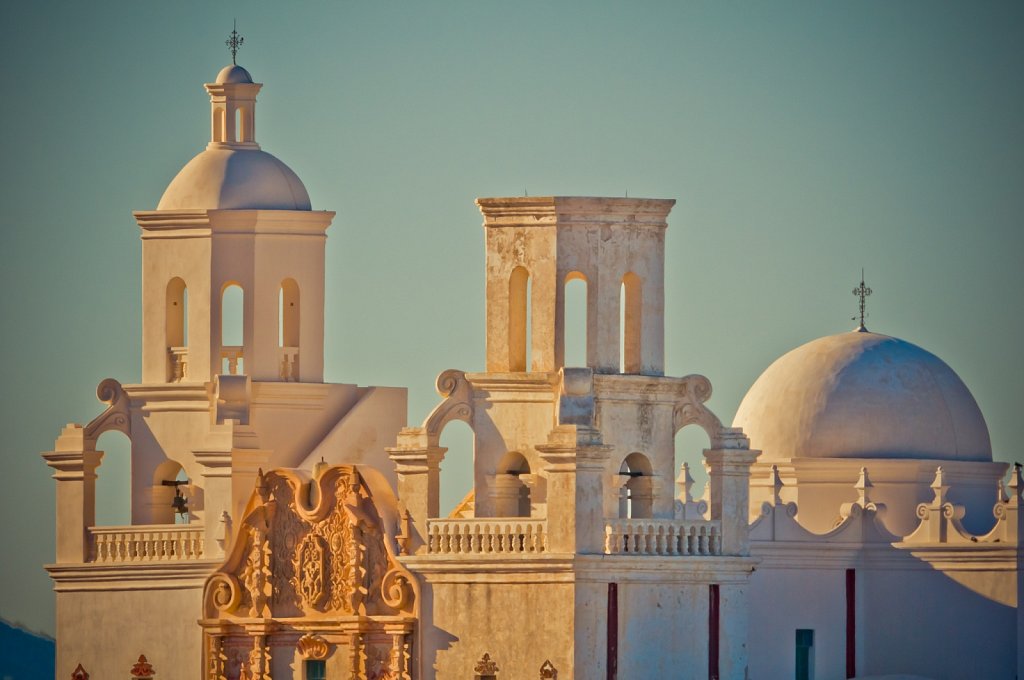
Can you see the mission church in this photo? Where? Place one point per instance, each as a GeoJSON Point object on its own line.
{"type": "Point", "coordinates": [854, 523]}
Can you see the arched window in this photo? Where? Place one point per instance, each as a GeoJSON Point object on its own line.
{"type": "Point", "coordinates": [630, 308]}
{"type": "Point", "coordinates": [244, 125]}
{"type": "Point", "coordinates": [232, 324]}
{"type": "Point", "coordinates": [176, 330]}
{"type": "Point", "coordinates": [690, 443]}
{"type": "Point", "coordinates": [238, 125]}
{"type": "Point", "coordinates": [574, 320]}
{"type": "Point", "coordinates": [456, 484]}
{"type": "Point", "coordinates": [288, 329]}
{"type": "Point", "coordinates": [636, 500]}
{"type": "Point", "coordinates": [512, 495]}
{"type": "Point", "coordinates": [519, 320]}
{"type": "Point", "coordinates": [114, 480]}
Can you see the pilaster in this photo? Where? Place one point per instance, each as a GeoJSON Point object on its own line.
{"type": "Point", "coordinates": [419, 483]}
{"type": "Point", "coordinates": [729, 477]}
{"type": "Point", "coordinates": [75, 466]}
{"type": "Point", "coordinates": [576, 461]}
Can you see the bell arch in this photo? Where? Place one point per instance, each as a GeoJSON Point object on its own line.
{"type": "Point", "coordinates": [636, 498]}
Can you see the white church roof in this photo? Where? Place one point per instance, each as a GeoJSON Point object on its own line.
{"type": "Point", "coordinates": [235, 179]}
{"type": "Point", "coordinates": [863, 395]}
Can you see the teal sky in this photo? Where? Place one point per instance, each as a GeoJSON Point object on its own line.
{"type": "Point", "coordinates": [802, 141]}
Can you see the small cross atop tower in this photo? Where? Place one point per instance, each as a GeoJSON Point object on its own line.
{"type": "Point", "coordinates": [234, 42]}
{"type": "Point", "coordinates": [862, 292]}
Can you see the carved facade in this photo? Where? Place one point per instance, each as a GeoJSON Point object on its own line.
{"type": "Point", "coordinates": [298, 522]}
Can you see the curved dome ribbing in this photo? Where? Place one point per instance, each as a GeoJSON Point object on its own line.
{"type": "Point", "coordinates": [863, 395]}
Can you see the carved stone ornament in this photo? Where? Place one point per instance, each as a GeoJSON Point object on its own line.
{"type": "Point", "coordinates": [312, 646]}
{"type": "Point", "coordinates": [79, 673]}
{"type": "Point", "coordinates": [289, 560]}
{"type": "Point", "coordinates": [117, 415]}
{"type": "Point", "coordinates": [548, 671]}
{"type": "Point", "coordinates": [485, 666]}
{"type": "Point", "coordinates": [142, 670]}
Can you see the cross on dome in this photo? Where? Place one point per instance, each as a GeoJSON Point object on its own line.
{"type": "Point", "coordinates": [234, 42]}
{"type": "Point", "coordinates": [862, 292]}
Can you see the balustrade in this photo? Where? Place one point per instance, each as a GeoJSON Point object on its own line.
{"type": "Point", "coordinates": [179, 363]}
{"type": "Point", "coordinates": [663, 537]}
{"type": "Point", "coordinates": [486, 536]}
{"type": "Point", "coordinates": [233, 355]}
{"type": "Point", "coordinates": [147, 543]}
{"type": "Point", "coordinates": [288, 360]}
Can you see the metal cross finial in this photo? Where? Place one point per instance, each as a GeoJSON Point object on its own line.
{"type": "Point", "coordinates": [234, 41]}
{"type": "Point", "coordinates": [862, 292]}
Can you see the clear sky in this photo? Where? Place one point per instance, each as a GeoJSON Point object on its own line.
{"type": "Point", "coordinates": [802, 141]}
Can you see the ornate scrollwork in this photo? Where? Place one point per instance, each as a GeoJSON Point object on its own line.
{"type": "Point", "coordinates": [485, 666]}
{"type": "Point", "coordinates": [396, 590]}
{"type": "Point", "coordinates": [312, 646]}
{"type": "Point", "coordinates": [117, 415]}
{"type": "Point", "coordinates": [310, 564]}
{"type": "Point", "coordinates": [548, 671]}
{"type": "Point", "coordinates": [457, 404]}
{"type": "Point", "coordinates": [223, 594]}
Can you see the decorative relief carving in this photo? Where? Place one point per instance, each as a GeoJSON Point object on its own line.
{"type": "Point", "coordinates": [457, 404]}
{"type": "Point", "coordinates": [312, 647]}
{"type": "Point", "coordinates": [216, 659]}
{"type": "Point", "coordinates": [548, 671]}
{"type": "Point", "coordinates": [379, 665]}
{"type": "Point", "coordinates": [290, 560]}
{"type": "Point", "coordinates": [142, 670]}
{"type": "Point", "coordinates": [117, 415]}
{"type": "Point", "coordinates": [485, 667]}
{"type": "Point", "coordinates": [257, 575]}
{"type": "Point", "coordinates": [310, 560]}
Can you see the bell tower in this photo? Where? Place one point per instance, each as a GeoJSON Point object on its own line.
{"type": "Point", "coordinates": [236, 221]}
{"type": "Point", "coordinates": [535, 246]}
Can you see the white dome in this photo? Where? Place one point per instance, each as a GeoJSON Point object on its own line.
{"type": "Point", "coordinates": [235, 179]}
{"type": "Point", "coordinates": [233, 73]}
{"type": "Point", "coordinates": [863, 395]}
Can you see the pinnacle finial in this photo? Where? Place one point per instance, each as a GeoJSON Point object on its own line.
{"type": "Point", "coordinates": [862, 292]}
{"type": "Point", "coordinates": [234, 42]}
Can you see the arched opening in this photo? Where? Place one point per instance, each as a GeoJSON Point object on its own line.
{"type": "Point", "coordinates": [169, 493]}
{"type": "Point", "coordinates": [176, 330]}
{"type": "Point", "coordinates": [114, 480]}
{"type": "Point", "coordinates": [232, 318]}
{"type": "Point", "coordinates": [636, 498]}
{"type": "Point", "coordinates": [690, 483]}
{"type": "Point", "coordinates": [511, 488]}
{"type": "Point", "coordinates": [630, 310]}
{"type": "Point", "coordinates": [456, 483]}
{"type": "Point", "coordinates": [288, 329]}
{"type": "Point", "coordinates": [574, 320]}
{"type": "Point", "coordinates": [239, 118]}
{"type": "Point", "coordinates": [223, 132]}
{"type": "Point", "coordinates": [519, 320]}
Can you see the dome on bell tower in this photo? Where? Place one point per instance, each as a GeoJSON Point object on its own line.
{"type": "Point", "coordinates": [233, 172]}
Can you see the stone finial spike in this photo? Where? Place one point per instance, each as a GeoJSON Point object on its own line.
{"type": "Point", "coordinates": [1016, 483]}
{"type": "Point", "coordinates": [776, 486]}
{"type": "Point", "coordinates": [685, 483]}
{"type": "Point", "coordinates": [863, 487]}
{"type": "Point", "coordinates": [939, 486]}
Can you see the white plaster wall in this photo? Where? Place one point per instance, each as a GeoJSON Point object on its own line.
{"type": "Point", "coordinates": [924, 622]}
{"type": "Point", "coordinates": [663, 631]}
{"type": "Point", "coordinates": [783, 600]}
{"type": "Point", "coordinates": [520, 624]}
{"type": "Point", "coordinates": [107, 632]}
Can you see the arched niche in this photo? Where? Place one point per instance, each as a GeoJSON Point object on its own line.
{"type": "Point", "coordinates": [519, 321]}
{"type": "Point", "coordinates": [636, 497]}
{"type": "Point", "coordinates": [631, 323]}
{"type": "Point", "coordinates": [232, 329]}
{"type": "Point", "coordinates": [456, 476]}
{"type": "Point", "coordinates": [574, 320]}
{"type": "Point", "coordinates": [114, 480]}
{"type": "Point", "coordinates": [512, 493]}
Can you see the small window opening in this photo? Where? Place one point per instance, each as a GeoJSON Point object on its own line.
{"type": "Point", "coordinates": [519, 320]}
{"type": "Point", "coordinates": [232, 316]}
{"type": "Point", "coordinates": [315, 669]}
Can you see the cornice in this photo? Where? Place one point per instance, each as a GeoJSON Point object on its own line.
{"type": "Point", "coordinates": [91, 576]}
